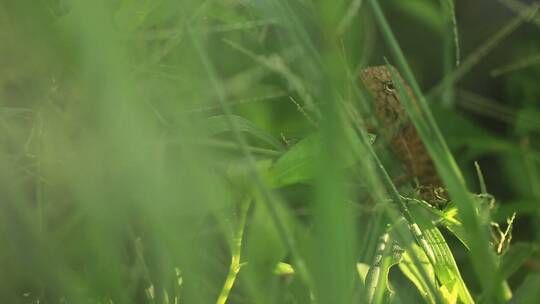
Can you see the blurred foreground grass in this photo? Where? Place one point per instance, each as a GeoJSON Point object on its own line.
{"type": "Point", "coordinates": [215, 151]}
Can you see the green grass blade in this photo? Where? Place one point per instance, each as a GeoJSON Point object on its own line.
{"type": "Point", "coordinates": [445, 266]}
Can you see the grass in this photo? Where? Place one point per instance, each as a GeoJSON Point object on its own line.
{"type": "Point", "coordinates": [218, 151]}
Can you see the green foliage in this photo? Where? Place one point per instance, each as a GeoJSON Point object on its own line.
{"type": "Point", "coordinates": [218, 151]}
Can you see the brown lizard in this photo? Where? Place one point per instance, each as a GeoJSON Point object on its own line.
{"type": "Point", "coordinates": [400, 132]}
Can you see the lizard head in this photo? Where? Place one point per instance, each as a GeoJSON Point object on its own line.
{"type": "Point", "coordinates": [384, 93]}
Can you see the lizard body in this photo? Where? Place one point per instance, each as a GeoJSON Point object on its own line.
{"type": "Point", "coordinates": [399, 130]}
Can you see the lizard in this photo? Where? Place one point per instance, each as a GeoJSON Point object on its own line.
{"type": "Point", "coordinates": [400, 132]}
{"type": "Point", "coordinates": [404, 140]}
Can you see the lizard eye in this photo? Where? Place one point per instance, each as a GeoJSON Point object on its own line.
{"type": "Point", "coordinates": [389, 87]}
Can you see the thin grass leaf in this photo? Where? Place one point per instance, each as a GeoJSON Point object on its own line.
{"type": "Point", "coordinates": [519, 64]}
{"type": "Point", "coordinates": [278, 65]}
{"type": "Point", "coordinates": [425, 12]}
{"type": "Point", "coordinates": [377, 280]}
{"type": "Point", "coordinates": [411, 270]}
{"type": "Point", "coordinates": [485, 48]}
{"type": "Point", "coordinates": [218, 124]}
{"type": "Point", "coordinates": [455, 31]}
{"type": "Point", "coordinates": [352, 11]}
{"type": "Point", "coordinates": [451, 50]}
{"type": "Point", "coordinates": [520, 8]}
{"type": "Point", "coordinates": [236, 251]}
